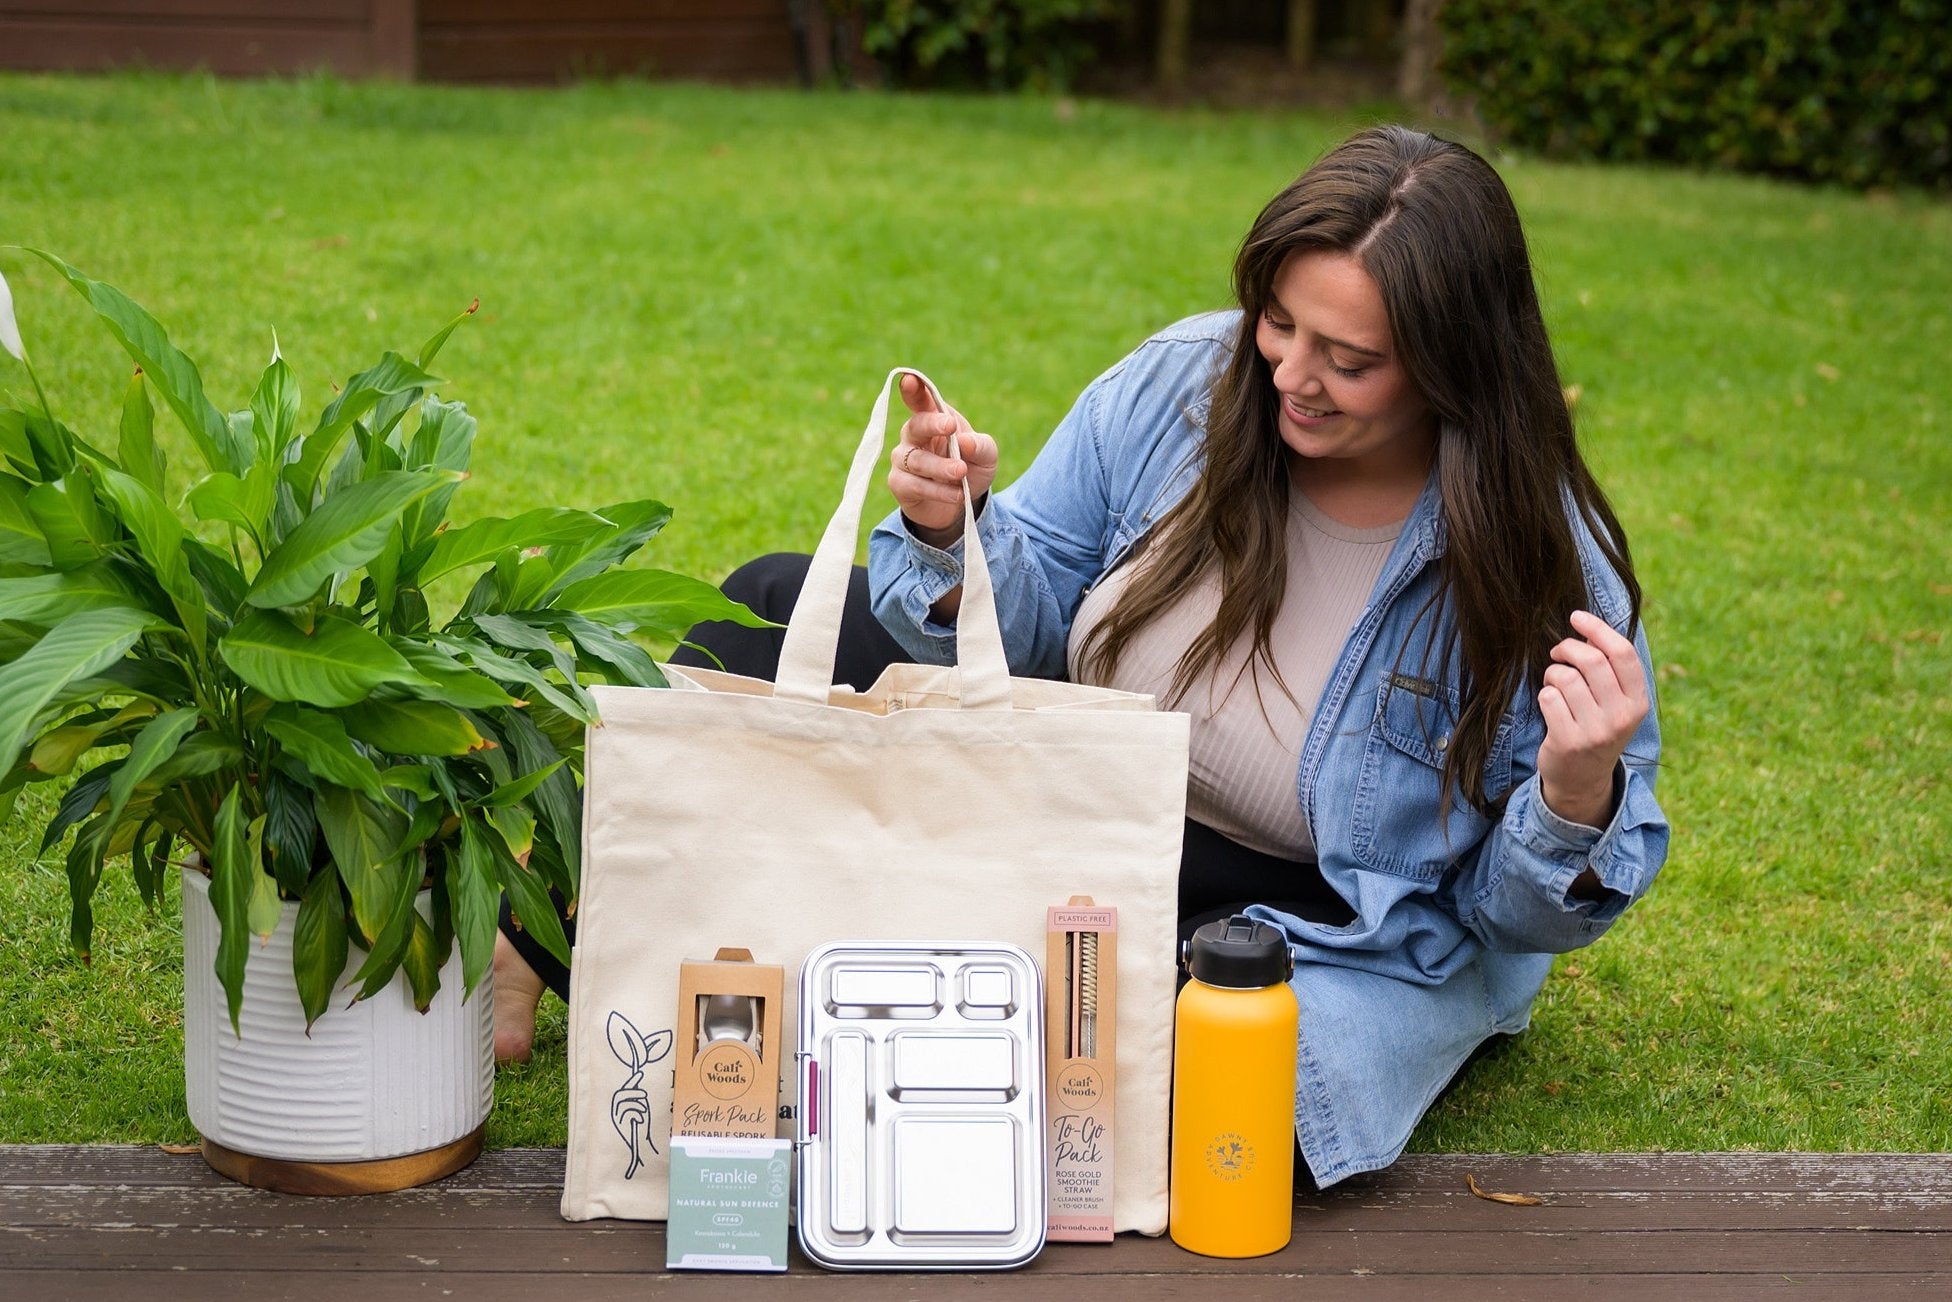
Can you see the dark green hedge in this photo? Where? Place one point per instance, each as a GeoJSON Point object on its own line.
{"type": "Point", "coordinates": [1825, 90]}
{"type": "Point", "coordinates": [989, 44]}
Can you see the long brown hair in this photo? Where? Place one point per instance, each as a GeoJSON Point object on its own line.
{"type": "Point", "coordinates": [1435, 228]}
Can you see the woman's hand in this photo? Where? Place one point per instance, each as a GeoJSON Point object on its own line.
{"type": "Point", "coordinates": [1593, 698]}
{"type": "Point", "coordinates": [926, 475]}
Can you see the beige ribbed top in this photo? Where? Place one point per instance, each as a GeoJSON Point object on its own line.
{"type": "Point", "coordinates": [1247, 732]}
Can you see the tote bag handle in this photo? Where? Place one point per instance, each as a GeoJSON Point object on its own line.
{"type": "Point", "coordinates": [806, 662]}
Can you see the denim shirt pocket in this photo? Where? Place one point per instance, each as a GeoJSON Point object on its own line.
{"type": "Point", "coordinates": [1399, 793]}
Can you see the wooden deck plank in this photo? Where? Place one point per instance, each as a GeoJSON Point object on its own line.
{"type": "Point", "coordinates": [117, 1222]}
{"type": "Point", "coordinates": [1458, 1211]}
{"type": "Point", "coordinates": [257, 1286]}
{"type": "Point", "coordinates": [639, 1250]}
{"type": "Point", "coordinates": [519, 1168]}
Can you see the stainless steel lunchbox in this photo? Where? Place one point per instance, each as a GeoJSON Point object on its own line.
{"type": "Point", "coordinates": [921, 1120]}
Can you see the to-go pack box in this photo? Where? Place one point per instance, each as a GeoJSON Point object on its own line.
{"type": "Point", "coordinates": [1081, 1013]}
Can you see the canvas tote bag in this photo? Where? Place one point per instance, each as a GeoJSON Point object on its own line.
{"type": "Point", "coordinates": [946, 804]}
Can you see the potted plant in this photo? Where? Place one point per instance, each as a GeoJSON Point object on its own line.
{"type": "Point", "coordinates": [262, 695]}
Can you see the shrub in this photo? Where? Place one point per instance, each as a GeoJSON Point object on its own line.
{"type": "Point", "coordinates": [1000, 44]}
{"type": "Point", "coordinates": [1827, 90]}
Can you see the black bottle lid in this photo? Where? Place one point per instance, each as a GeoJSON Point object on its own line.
{"type": "Point", "coordinates": [1239, 954]}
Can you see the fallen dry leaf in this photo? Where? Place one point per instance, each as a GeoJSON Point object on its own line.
{"type": "Point", "coordinates": [180, 1150]}
{"type": "Point", "coordinates": [1515, 1200]}
{"type": "Point", "coordinates": [1573, 393]}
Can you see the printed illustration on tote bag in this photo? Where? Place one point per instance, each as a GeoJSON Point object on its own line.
{"type": "Point", "coordinates": [630, 1104]}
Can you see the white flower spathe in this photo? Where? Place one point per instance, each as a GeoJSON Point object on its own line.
{"type": "Point", "coordinates": [9, 332]}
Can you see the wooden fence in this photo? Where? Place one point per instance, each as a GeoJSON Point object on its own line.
{"type": "Point", "coordinates": [443, 40]}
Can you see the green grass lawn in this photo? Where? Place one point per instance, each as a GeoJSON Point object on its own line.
{"type": "Point", "coordinates": [692, 294]}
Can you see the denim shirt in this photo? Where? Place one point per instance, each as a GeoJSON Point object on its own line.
{"type": "Point", "coordinates": [1457, 915]}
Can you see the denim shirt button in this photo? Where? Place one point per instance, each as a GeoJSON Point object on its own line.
{"type": "Point", "coordinates": [1443, 743]}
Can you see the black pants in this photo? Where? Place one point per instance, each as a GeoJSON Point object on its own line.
{"type": "Point", "coordinates": [1217, 876]}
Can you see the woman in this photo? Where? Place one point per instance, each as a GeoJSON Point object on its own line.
{"type": "Point", "coordinates": [1348, 529]}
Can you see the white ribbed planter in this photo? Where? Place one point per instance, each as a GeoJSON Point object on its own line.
{"type": "Point", "coordinates": [376, 1080]}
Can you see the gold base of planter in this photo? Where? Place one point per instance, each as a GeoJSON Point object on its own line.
{"type": "Point", "coordinates": [327, 1178]}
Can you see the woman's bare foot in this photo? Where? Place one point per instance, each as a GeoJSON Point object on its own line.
{"type": "Point", "coordinates": [517, 992]}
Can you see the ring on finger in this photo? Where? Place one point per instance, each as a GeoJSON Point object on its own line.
{"type": "Point", "coordinates": [908, 450]}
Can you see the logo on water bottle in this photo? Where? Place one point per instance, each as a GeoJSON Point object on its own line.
{"type": "Point", "coordinates": [1229, 1156]}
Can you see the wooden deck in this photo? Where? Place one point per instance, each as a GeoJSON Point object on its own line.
{"type": "Point", "coordinates": [136, 1223]}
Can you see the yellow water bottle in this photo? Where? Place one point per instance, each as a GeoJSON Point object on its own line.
{"type": "Point", "coordinates": [1234, 1093]}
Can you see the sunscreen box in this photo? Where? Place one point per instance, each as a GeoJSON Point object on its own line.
{"type": "Point", "coordinates": [728, 1047]}
{"type": "Point", "coordinates": [728, 1204]}
{"type": "Point", "coordinates": [1081, 1013]}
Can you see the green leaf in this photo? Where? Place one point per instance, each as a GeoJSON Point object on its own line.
{"type": "Point", "coordinates": [198, 756]}
{"type": "Point", "coordinates": [557, 801]}
{"type": "Point", "coordinates": [422, 962]}
{"type": "Point", "coordinates": [84, 875]}
{"type": "Point", "coordinates": [265, 907]}
{"type": "Point", "coordinates": [476, 901]}
{"type": "Point", "coordinates": [383, 571]}
{"type": "Point", "coordinates": [452, 682]}
{"type": "Point", "coordinates": [338, 664]}
{"type": "Point", "coordinates": [149, 864]}
{"type": "Point", "coordinates": [569, 698]}
{"type": "Point", "coordinates": [635, 524]}
{"type": "Point", "coordinates": [320, 740]}
{"type": "Point", "coordinates": [528, 898]}
{"type": "Point", "coordinates": [389, 944]}
{"type": "Point", "coordinates": [514, 793]}
{"type": "Point", "coordinates": [15, 446]}
{"type": "Point", "coordinates": [65, 514]}
{"type": "Point", "coordinates": [56, 450]}
{"type": "Point", "coordinates": [517, 828]}
{"type": "Point", "coordinates": [233, 881]}
{"type": "Point", "coordinates": [346, 531]}
{"type": "Point", "coordinates": [81, 800]}
{"type": "Point", "coordinates": [80, 647]}
{"type": "Point", "coordinates": [274, 411]}
{"type": "Point", "coordinates": [220, 578]}
{"type": "Point", "coordinates": [445, 440]}
{"type": "Point", "coordinates": [159, 535]}
{"type": "Point", "coordinates": [391, 374]}
{"type": "Point", "coordinates": [415, 779]}
{"type": "Point", "coordinates": [483, 540]}
{"type": "Point", "coordinates": [517, 634]}
{"type": "Point", "coordinates": [413, 728]}
{"type": "Point", "coordinates": [606, 651]}
{"type": "Point", "coordinates": [137, 449]}
{"type": "Point", "coordinates": [21, 539]}
{"type": "Point", "coordinates": [653, 599]}
{"type": "Point", "coordinates": [319, 943]}
{"type": "Point", "coordinates": [290, 832]}
{"type": "Point", "coordinates": [47, 599]}
{"type": "Point", "coordinates": [54, 753]}
{"type": "Point", "coordinates": [152, 748]}
{"type": "Point", "coordinates": [175, 376]}
{"type": "Point", "coordinates": [245, 502]}
{"type": "Point", "coordinates": [364, 838]}
{"type": "Point", "coordinates": [433, 346]}
{"type": "Point", "coordinates": [547, 861]}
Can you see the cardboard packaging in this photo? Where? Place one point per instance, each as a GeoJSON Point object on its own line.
{"type": "Point", "coordinates": [1081, 1016]}
{"type": "Point", "coordinates": [728, 1204]}
{"type": "Point", "coordinates": [729, 1045]}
